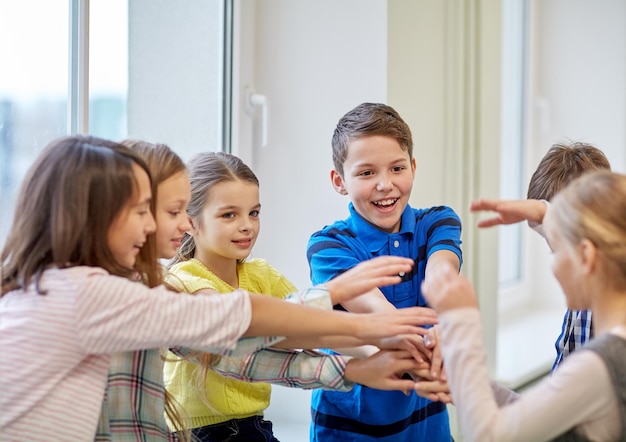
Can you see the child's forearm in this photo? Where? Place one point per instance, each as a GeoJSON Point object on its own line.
{"type": "Point", "coordinates": [274, 317]}
{"type": "Point", "coordinates": [296, 369]}
{"type": "Point", "coordinates": [271, 316]}
{"type": "Point", "coordinates": [305, 327]}
{"type": "Point", "coordinates": [348, 345]}
{"type": "Point", "coordinates": [371, 302]}
{"type": "Point", "coordinates": [366, 276]}
{"type": "Point", "coordinates": [439, 257]}
{"type": "Point", "coordinates": [362, 351]}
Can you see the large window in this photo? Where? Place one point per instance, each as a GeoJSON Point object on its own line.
{"type": "Point", "coordinates": [33, 89]}
{"type": "Point", "coordinates": [147, 69]}
{"type": "Point", "coordinates": [179, 75]}
{"type": "Point", "coordinates": [108, 68]}
{"type": "Point", "coordinates": [51, 74]}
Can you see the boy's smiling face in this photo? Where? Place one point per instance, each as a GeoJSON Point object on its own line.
{"type": "Point", "coordinates": [378, 178]}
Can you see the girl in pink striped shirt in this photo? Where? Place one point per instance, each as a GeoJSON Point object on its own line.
{"type": "Point", "coordinates": [67, 302]}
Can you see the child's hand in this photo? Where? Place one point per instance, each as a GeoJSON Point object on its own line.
{"type": "Point", "coordinates": [445, 289]}
{"type": "Point", "coordinates": [371, 327]}
{"type": "Point", "coordinates": [431, 339]}
{"type": "Point", "coordinates": [434, 390]}
{"type": "Point", "coordinates": [383, 370]}
{"type": "Point", "coordinates": [414, 344]}
{"type": "Point", "coordinates": [510, 211]}
{"type": "Point", "coordinates": [367, 275]}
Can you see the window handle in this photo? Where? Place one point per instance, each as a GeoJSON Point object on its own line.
{"type": "Point", "coordinates": [255, 101]}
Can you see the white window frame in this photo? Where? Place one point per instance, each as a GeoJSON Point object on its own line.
{"type": "Point", "coordinates": [514, 291]}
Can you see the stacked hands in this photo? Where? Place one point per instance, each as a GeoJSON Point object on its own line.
{"type": "Point", "coordinates": [404, 346]}
{"type": "Point", "coordinates": [401, 342]}
{"type": "Point", "coordinates": [445, 289]}
{"type": "Point", "coordinates": [419, 354]}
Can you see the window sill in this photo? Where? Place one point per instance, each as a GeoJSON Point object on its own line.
{"type": "Point", "coordinates": [525, 346]}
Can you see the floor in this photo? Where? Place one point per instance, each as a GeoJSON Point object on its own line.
{"type": "Point", "coordinates": [289, 411]}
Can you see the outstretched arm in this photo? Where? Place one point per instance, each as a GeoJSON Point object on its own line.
{"type": "Point", "coordinates": [274, 317]}
{"type": "Point", "coordinates": [310, 369]}
{"type": "Point", "coordinates": [510, 211]}
{"type": "Point", "coordinates": [357, 289]}
{"type": "Point", "coordinates": [271, 316]}
{"type": "Point", "coordinates": [291, 368]}
{"type": "Point", "coordinates": [438, 259]}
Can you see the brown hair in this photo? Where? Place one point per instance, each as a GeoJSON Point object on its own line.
{"type": "Point", "coordinates": [562, 164]}
{"type": "Point", "coordinates": [593, 207]}
{"type": "Point", "coordinates": [365, 120]}
{"type": "Point", "coordinates": [67, 202]}
{"type": "Point", "coordinates": [163, 163]}
{"type": "Point", "coordinates": [206, 170]}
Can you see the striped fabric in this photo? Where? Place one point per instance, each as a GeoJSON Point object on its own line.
{"type": "Point", "coordinates": [133, 409]}
{"type": "Point", "coordinates": [61, 343]}
{"type": "Point", "coordinates": [366, 414]}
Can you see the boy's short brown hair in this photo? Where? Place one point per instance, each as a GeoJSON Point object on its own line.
{"type": "Point", "coordinates": [369, 119]}
{"type": "Point", "coordinates": [562, 164]}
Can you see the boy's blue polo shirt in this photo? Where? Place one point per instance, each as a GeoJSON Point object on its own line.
{"type": "Point", "coordinates": [366, 414]}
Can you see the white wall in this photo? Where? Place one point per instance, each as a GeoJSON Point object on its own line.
{"type": "Point", "coordinates": [174, 93]}
{"type": "Point", "coordinates": [579, 73]}
{"type": "Point", "coordinates": [314, 62]}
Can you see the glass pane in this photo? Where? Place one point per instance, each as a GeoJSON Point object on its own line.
{"type": "Point", "coordinates": [176, 79]}
{"type": "Point", "coordinates": [512, 142]}
{"type": "Point", "coordinates": [33, 89]}
{"type": "Point", "coordinates": [108, 68]}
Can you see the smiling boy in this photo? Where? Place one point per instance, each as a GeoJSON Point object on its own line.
{"type": "Point", "coordinates": [374, 166]}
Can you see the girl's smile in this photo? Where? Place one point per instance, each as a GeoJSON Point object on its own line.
{"type": "Point", "coordinates": [229, 224]}
{"type": "Point", "coordinates": [171, 214]}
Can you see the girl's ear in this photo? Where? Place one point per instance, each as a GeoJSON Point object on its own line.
{"type": "Point", "coordinates": [194, 226]}
{"type": "Point", "coordinates": [588, 256]}
{"type": "Point", "coordinates": [337, 181]}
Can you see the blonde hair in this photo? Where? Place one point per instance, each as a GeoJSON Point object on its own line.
{"type": "Point", "coordinates": [593, 207]}
{"type": "Point", "coordinates": [205, 171]}
{"type": "Point", "coordinates": [203, 363]}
